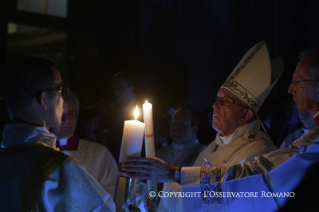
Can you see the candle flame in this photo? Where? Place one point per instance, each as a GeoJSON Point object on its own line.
{"type": "Point", "coordinates": [136, 112]}
{"type": "Point", "coordinates": [146, 101]}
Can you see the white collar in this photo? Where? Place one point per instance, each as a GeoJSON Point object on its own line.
{"type": "Point", "coordinates": [239, 132]}
{"type": "Point", "coordinates": [15, 134]}
{"type": "Point", "coordinates": [64, 141]}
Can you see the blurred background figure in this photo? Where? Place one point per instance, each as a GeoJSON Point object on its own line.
{"type": "Point", "coordinates": [161, 131]}
{"type": "Point", "coordinates": [101, 107]}
{"type": "Point", "coordinates": [88, 123]}
{"type": "Point", "coordinates": [284, 121]}
{"type": "Point", "coordinates": [122, 109]}
{"type": "Point", "coordinates": [124, 91]}
{"type": "Point", "coordinates": [161, 127]}
{"type": "Point", "coordinates": [185, 147]}
{"type": "Point", "coordinates": [308, 123]}
{"type": "Point", "coordinates": [97, 159]}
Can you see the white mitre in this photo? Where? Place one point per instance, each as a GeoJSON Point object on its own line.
{"type": "Point", "coordinates": [254, 76]}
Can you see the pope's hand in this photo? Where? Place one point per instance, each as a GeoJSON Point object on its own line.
{"type": "Point", "coordinates": [150, 168]}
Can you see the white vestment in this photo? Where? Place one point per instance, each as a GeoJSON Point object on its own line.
{"type": "Point", "coordinates": [69, 187]}
{"type": "Point", "coordinates": [98, 161]}
{"type": "Point", "coordinates": [243, 145]}
{"type": "Point", "coordinates": [271, 178]}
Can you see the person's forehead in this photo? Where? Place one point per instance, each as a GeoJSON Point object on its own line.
{"type": "Point", "coordinates": [68, 104]}
{"type": "Point", "coordinates": [121, 81]}
{"type": "Point", "coordinates": [223, 92]}
{"type": "Point", "coordinates": [302, 67]}
{"type": "Point", "coordinates": [182, 114]}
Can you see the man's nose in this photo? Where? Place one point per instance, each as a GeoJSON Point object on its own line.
{"type": "Point", "coordinates": [290, 88]}
{"type": "Point", "coordinates": [216, 104]}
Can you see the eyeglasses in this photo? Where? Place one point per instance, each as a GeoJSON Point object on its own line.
{"type": "Point", "coordinates": [70, 115]}
{"type": "Point", "coordinates": [179, 123]}
{"type": "Point", "coordinates": [225, 101]}
{"type": "Point", "coordinates": [120, 88]}
{"type": "Point", "coordinates": [296, 83]}
{"type": "Point", "coordinates": [65, 91]}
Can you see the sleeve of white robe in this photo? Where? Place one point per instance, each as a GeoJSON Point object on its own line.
{"type": "Point", "coordinates": [189, 175]}
{"type": "Point", "coordinates": [108, 172]}
{"type": "Point", "coordinates": [262, 164]}
{"type": "Point", "coordinates": [268, 162]}
{"type": "Point", "coordinates": [71, 188]}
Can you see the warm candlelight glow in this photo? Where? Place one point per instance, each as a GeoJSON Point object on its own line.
{"type": "Point", "coordinates": [136, 112]}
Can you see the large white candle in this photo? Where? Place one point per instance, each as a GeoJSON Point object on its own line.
{"type": "Point", "coordinates": [149, 131]}
{"type": "Point", "coordinates": [132, 142]}
{"type": "Point", "coordinates": [150, 147]}
{"type": "Point", "coordinates": [132, 139]}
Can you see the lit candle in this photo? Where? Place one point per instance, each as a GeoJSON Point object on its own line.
{"type": "Point", "coordinates": [150, 147]}
{"type": "Point", "coordinates": [149, 131]}
{"type": "Point", "coordinates": [132, 139]}
{"type": "Point", "coordinates": [132, 142]}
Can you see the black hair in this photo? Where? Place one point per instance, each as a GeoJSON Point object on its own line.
{"type": "Point", "coordinates": [22, 78]}
{"type": "Point", "coordinates": [194, 117]}
{"type": "Point", "coordinates": [124, 75]}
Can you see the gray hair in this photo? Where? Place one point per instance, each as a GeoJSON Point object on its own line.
{"type": "Point", "coordinates": [75, 99]}
{"type": "Point", "coordinates": [254, 116]}
{"type": "Point", "coordinates": [313, 71]}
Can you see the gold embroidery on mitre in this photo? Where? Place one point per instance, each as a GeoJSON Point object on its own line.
{"type": "Point", "coordinates": [242, 93]}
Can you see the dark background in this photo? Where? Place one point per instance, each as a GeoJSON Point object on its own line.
{"type": "Point", "coordinates": [178, 50]}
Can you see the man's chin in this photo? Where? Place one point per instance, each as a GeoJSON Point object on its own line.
{"type": "Point", "coordinates": [175, 138]}
{"type": "Point", "coordinates": [215, 126]}
{"type": "Point", "coordinates": [62, 136]}
{"type": "Point", "coordinates": [301, 107]}
{"type": "Point", "coordinates": [67, 132]}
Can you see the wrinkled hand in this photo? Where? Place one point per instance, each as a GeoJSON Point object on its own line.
{"type": "Point", "coordinates": [150, 168]}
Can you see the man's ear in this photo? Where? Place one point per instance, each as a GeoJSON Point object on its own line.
{"type": "Point", "coordinates": [41, 100]}
{"type": "Point", "coordinates": [248, 114]}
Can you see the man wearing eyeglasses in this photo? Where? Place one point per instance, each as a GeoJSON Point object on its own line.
{"type": "Point", "coordinates": [284, 179]}
{"type": "Point", "coordinates": [239, 138]}
{"type": "Point", "coordinates": [122, 109]}
{"type": "Point", "coordinates": [34, 176]}
{"type": "Point", "coordinates": [185, 147]}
